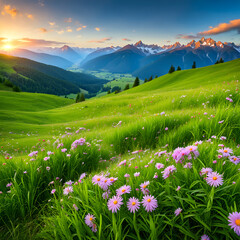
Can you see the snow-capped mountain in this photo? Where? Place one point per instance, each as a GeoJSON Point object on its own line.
{"type": "Point", "coordinates": [205, 42]}
{"type": "Point", "coordinates": [148, 49]}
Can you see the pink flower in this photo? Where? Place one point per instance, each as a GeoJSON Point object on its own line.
{"type": "Point", "coordinates": [214, 179]}
{"type": "Point", "coordinates": [53, 191]}
{"type": "Point", "coordinates": [123, 190]}
{"type": "Point", "coordinates": [64, 150]}
{"type": "Point", "coordinates": [126, 175]}
{"type": "Point", "coordinates": [149, 203]}
{"type": "Point", "coordinates": [144, 185]}
{"type": "Point", "coordinates": [136, 174]}
{"type": "Point", "coordinates": [46, 158]}
{"type": "Point", "coordinates": [205, 237]}
{"type": "Point", "coordinates": [205, 171]}
{"type": "Point", "coordinates": [234, 159]}
{"type": "Point", "coordinates": [115, 203]}
{"type": "Point", "coordinates": [67, 190]}
{"type": "Point", "coordinates": [234, 222]}
{"type": "Point", "coordinates": [104, 183]}
{"type": "Point", "coordinates": [133, 204]}
{"type": "Point", "coordinates": [89, 219]}
{"type": "Point", "coordinates": [159, 165]}
{"type": "Point", "coordinates": [75, 206]}
{"type": "Point", "coordinates": [177, 211]}
{"type": "Point", "coordinates": [47, 168]}
{"type": "Point", "coordinates": [97, 179]}
{"type": "Point", "coordinates": [105, 195]}
{"type": "Point", "coordinates": [167, 171]}
{"type": "Point", "coordinates": [225, 152]}
{"type": "Point", "coordinates": [178, 188]}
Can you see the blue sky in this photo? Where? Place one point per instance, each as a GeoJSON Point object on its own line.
{"type": "Point", "coordinates": [92, 23]}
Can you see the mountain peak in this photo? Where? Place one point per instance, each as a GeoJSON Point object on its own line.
{"type": "Point", "coordinates": [138, 44]}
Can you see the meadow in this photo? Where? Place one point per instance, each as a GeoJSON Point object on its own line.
{"type": "Point", "coordinates": [158, 161]}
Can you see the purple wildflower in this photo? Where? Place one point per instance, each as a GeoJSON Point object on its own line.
{"type": "Point", "coordinates": [214, 179]}
{"type": "Point", "coordinates": [122, 190]}
{"type": "Point", "coordinates": [150, 203]}
{"type": "Point", "coordinates": [115, 203]}
{"type": "Point", "coordinates": [133, 204]}
{"type": "Point", "coordinates": [177, 211]}
{"type": "Point", "coordinates": [234, 222]}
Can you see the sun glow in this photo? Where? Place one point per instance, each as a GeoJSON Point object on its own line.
{"type": "Point", "coordinates": [7, 47]}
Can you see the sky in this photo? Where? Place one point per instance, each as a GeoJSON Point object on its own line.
{"type": "Point", "coordinates": [101, 23]}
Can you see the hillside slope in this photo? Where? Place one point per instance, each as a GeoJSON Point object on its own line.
{"type": "Point", "coordinates": [37, 77]}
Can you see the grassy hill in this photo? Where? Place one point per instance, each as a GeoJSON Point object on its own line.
{"type": "Point", "coordinates": [133, 131]}
{"type": "Point", "coordinates": [32, 76]}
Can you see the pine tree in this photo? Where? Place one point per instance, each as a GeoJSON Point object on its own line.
{"type": "Point", "coordinates": [136, 82]}
{"type": "Point", "coordinates": [172, 69]}
{"type": "Point", "coordinates": [78, 98]}
{"type": "Point", "coordinates": [145, 80]}
{"type": "Point", "coordinates": [178, 68]}
{"type": "Point", "coordinates": [217, 62]}
{"type": "Point", "coordinates": [108, 92]}
{"type": "Point", "coordinates": [221, 60]}
{"type": "Point", "coordinates": [156, 76]}
{"type": "Point", "coordinates": [82, 97]}
{"type": "Point", "coordinates": [194, 65]}
{"type": "Point", "coordinates": [16, 89]}
{"type": "Point", "coordinates": [126, 87]}
{"type": "Point", "coordinates": [150, 79]}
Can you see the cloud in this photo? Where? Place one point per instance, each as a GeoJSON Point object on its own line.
{"type": "Point", "coordinates": [68, 20]}
{"type": "Point", "coordinates": [60, 32]}
{"type": "Point", "coordinates": [103, 40]}
{"type": "Point", "coordinates": [7, 9]}
{"type": "Point", "coordinates": [78, 29]}
{"type": "Point", "coordinates": [41, 3]}
{"type": "Point", "coordinates": [43, 30]}
{"type": "Point", "coordinates": [28, 42]}
{"type": "Point", "coordinates": [222, 28]}
{"type": "Point", "coordinates": [30, 16]}
{"type": "Point", "coordinates": [97, 29]}
{"type": "Point", "coordinates": [84, 26]}
{"type": "Point", "coordinates": [126, 39]}
{"type": "Point", "coordinates": [182, 36]}
{"type": "Point", "coordinates": [69, 29]}
{"type": "Point", "coordinates": [51, 23]}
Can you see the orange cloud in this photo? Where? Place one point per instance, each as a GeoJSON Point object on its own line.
{"type": "Point", "coordinates": [28, 42]}
{"type": "Point", "coordinates": [68, 20]}
{"type": "Point", "coordinates": [30, 16]}
{"type": "Point", "coordinates": [223, 27]}
{"type": "Point", "coordinates": [7, 9]}
{"type": "Point", "coordinates": [51, 23]}
{"type": "Point", "coordinates": [78, 29]}
{"type": "Point", "coordinates": [97, 29]}
{"type": "Point", "coordinates": [103, 40]}
{"type": "Point", "coordinates": [43, 30]}
{"type": "Point", "coordinates": [126, 39]}
{"type": "Point", "coordinates": [84, 26]}
{"type": "Point", "coordinates": [69, 29]}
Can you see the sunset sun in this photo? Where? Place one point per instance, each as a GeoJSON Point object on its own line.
{"type": "Point", "coordinates": [7, 47]}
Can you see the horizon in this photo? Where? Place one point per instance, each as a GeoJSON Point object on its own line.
{"type": "Point", "coordinates": [84, 24]}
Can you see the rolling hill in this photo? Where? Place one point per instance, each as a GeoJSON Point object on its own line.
{"type": "Point", "coordinates": [32, 76]}
{"type": "Point", "coordinates": [42, 58]}
{"type": "Point", "coordinates": [54, 154]}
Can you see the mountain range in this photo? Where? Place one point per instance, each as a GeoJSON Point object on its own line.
{"type": "Point", "coordinates": [138, 59]}
{"type": "Point", "coordinates": [149, 60]}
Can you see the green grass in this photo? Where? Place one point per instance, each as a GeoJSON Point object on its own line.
{"type": "Point", "coordinates": [194, 102]}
